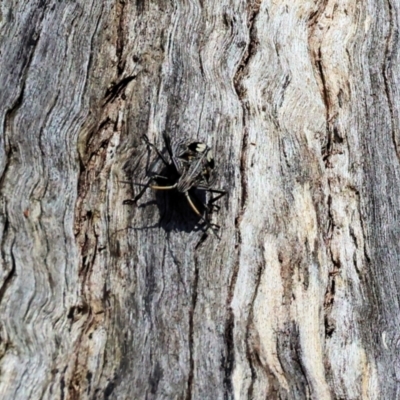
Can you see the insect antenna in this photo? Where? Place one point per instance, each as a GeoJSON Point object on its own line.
{"type": "Point", "coordinates": [167, 141]}
{"type": "Point", "coordinates": [153, 146]}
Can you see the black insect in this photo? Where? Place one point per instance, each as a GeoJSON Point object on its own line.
{"type": "Point", "coordinates": [190, 166]}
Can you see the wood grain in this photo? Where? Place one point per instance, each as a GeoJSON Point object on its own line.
{"type": "Point", "coordinates": [299, 299]}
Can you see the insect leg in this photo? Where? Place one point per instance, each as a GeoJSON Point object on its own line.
{"type": "Point", "coordinates": [221, 193]}
{"type": "Point", "coordinates": [153, 177]}
{"type": "Point", "coordinates": [156, 176]}
{"type": "Point", "coordinates": [156, 187]}
{"type": "Point", "coordinates": [206, 219]}
{"type": "Point", "coordinates": [145, 187]}
{"type": "Point", "coordinates": [194, 208]}
{"type": "Point", "coordinates": [153, 146]}
{"type": "Point", "coordinates": [138, 196]}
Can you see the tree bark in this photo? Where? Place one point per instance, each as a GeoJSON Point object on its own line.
{"type": "Point", "coordinates": [300, 102]}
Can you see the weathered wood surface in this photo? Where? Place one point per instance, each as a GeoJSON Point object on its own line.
{"type": "Point", "coordinates": [300, 102]}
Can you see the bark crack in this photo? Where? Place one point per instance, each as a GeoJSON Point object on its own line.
{"type": "Point", "coordinates": [229, 358]}
{"type": "Point", "coordinates": [315, 39]}
{"type": "Point", "coordinates": [189, 393]}
{"type": "Point", "coordinates": [251, 355]}
{"type": "Point", "coordinates": [385, 73]}
{"type": "Point", "coordinates": [253, 9]}
{"type": "Point", "coordinates": [89, 64]}
{"type": "Point", "coordinates": [29, 49]}
{"type": "Point", "coordinates": [251, 48]}
{"type": "Point", "coordinates": [120, 37]}
{"type": "Point", "coordinates": [116, 89]}
{"type": "Point", "coordinates": [95, 142]}
{"type": "Point", "coordinates": [11, 273]}
{"type": "Point", "coordinates": [315, 44]}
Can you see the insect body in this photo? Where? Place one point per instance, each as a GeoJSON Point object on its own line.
{"type": "Point", "coordinates": [193, 166]}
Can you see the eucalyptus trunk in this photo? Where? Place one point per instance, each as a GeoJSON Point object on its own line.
{"type": "Point", "coordinates": [299, 298]}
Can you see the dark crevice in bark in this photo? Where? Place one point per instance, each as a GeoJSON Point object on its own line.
{"type": "Point", "coordinates": [253, 10]}
{"type": "Point", "coordinates": [189, 393]}
{"type": "Point", "coordinates": [140, 5]}
{"type": "Point", "coordinates": [249, 346]}
{"type": "Point", "coordinates": [316, 60]}
{"type": "Point", "coordinates": [120, 36]}
{"type": "Point", "coordinates": [8, 260]}
{"type": "Point", "coordinates": [116, 89]}
{"type": "Point", "coordinates": [331, 223]}
{"type": "Point", "coordinates": [87, 237]}
{"type": "Point", "coordinates": [333, 136]}
{"type": "Point", "coordinates": [325, 96]}
{"type": "Point", "coordinates": [109, 389]}
{"type": "Point", "coordinates": [228, 361]}
{"type": "Point", "coordinates": [31, 41]}
{"type": "Point", "coordinates": [330, 289]}
{"type": "Point", "coordinates": [250, 50]}
{"type": "Point", "coordinates": [28, 51]}
{"type": "Point", "coordinates": [391, 42]}
{"type": "Point", "coordinates": [291, 359]}
{"type": "Point", "coordinates": [150, 291]}
{"type": "Point", "coordinates": [62, 383]}
{"type": "Point", "coordinates": [90, 61]}
{"type": "Point", "coordinates": [10, 148]}
{"type": "Point", "coordinates": [74, 386]}
{"type": "Point", "coordinates": [155, 377]}
{"type": "Point", "coordinates": [250, 360]}
{"type": "Point", "coordinates": [243, 168]}
{"type": "Point", "coordinates": [89, 253]}
{"type": "Point", "coordinates": [229, 357]}
{"type": "Point", "coordinates": [365, 250]}
{"type": "Point", "coordinates": [11, 273]}
{"type": "Point", "coordinates": [299, 358]}
{"type": "Point", "coordinates": [356, 240]}
{"type": "Point", "coordinates": [327, 149]}
{"type": "Point", "coordinates": [328, 304]}
{"type": "Point", "coordinates": [77, 311]}
{"type": "Point", "coordinates": [8, 122]}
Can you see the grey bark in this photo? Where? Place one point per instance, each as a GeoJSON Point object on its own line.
{"type": "Point", "coordinates": [299, 299]}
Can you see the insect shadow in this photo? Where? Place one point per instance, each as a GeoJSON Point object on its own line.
{"type": "Point", "coordinates": [175, 214]}
{"type": "Point", "coordinates": [187, 174]}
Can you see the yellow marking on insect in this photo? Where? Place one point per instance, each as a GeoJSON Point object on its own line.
{"type": "Point", "coordinates": [191, 204]}
{"type": "Point", "coordinates": [201, 147]}
{"type": "Point", "coordinates": [163, 187]}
